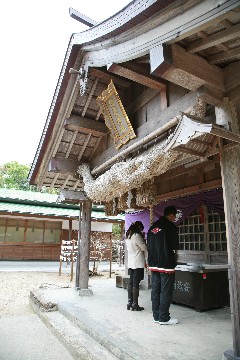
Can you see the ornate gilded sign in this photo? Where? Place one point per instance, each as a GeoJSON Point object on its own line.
{"type": "Point", "coordinates": [115, 116]}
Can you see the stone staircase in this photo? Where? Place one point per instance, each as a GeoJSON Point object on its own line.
{"type": "Point", "coordinates": [83, 339]}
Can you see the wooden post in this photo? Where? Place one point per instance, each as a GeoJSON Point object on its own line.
{"type": "Point", "coordinates": [230, 170]}
{"type": "Point", "coordinates": [230, 167]}
{"type": "Point", "coordinates": [69, 233]}
{"type": "Point", "coordinates": [72, 259]}
{"type": "Point", "coordinates": [85, 244]}
{"type": "Point", "coordinates": [121, 244]}
{"type": "Point", "coordinates": [110, 269]}
{"type": "Point", "coordinates": [78, 255]}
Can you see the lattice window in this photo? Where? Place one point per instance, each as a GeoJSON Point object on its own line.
{"type": "Point", "coordinates": [191, 233]}
{"type": "Point", "coordinates": [217, 232]}
{"type": "Point", "coordinates": [192, 236]}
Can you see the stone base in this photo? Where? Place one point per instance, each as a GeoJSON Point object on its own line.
{"type": "Point", "coordinates": [122, 281]}
{"type": "Point", "coordinates": [126, 280]}
{"type": "Point", "coordinates": [229, 354]}
{"type": "Point", "coordinates": [119, 281]}
{"type": "Point", "coordinates": [84, 292]}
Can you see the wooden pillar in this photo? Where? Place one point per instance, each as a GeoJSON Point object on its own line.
{"type": "Point", "coordinates": [78, 255]}
{"type": "Point", "coordinates": [69, 234]}
{"type": "Point", "coordinates": [230, 165]}
{"type": "Point", "coordinates": [230, 169]}
{"type": "Point", "coordinates": [110, 267]}
{"type": "Point", "coordinates": [85, 244]}
{"type": "Point", "coordinates": [122, 244]}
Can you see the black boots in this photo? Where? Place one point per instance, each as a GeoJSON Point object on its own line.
{"type": "Point", "coordinates": [135, 305]}
{"type": "Point", "coordinates": [130, 298]}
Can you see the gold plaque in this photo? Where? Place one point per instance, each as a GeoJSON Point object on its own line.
{"type": "Point", "coordinates": [115, 116]}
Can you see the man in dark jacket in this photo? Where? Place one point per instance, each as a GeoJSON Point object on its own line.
{"type": "Point", "coordinates": [162, 240]}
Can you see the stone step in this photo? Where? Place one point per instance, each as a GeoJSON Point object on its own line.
{"type": "Point", "coordinates": [111, 337]}
{"type": "Point", "coordinates": [77, 342]}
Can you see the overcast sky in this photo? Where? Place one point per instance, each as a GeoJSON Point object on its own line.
{"type": "Point", "coordinates": [34, 39]}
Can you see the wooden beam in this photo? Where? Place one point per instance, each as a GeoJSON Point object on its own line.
{"type": "Point", "coordinates": [234, 96]}
{"type": "Point", "coordinates": [81, 18]}
{"type": "Point", "coordinates": [188, 151]}
{"type": "Point", "coordinates": [87, 126]}
{"type": "Point", "coordinates": [136, 73]}
{"type": "Point", "coordinates": [215, 39]}
{"type": "Point", "coordinates": [142, 100]}
{"type": "Point", "coordinates": [232, 76]}
{"type": "Point", "coordinates": [64, 166]}
{"type": "Point", "coordinates": [222, 133]}
{"type": "Point", "coordinates": [71, 196]}
{"type": "Point", "coordinates": [225, 56]}
{"type": "Point", "coordinates": [103, 75]}
{"type": "Point", "coordinates": [147, 132]}
{"type": "Point", "coordinates": [190, 190]}
{"type": "Point", "coordinates": [200, 142]}
{"type": "Point", "coordinates": [210, 96]}
{"type": "Point", "coordinates": [175, 64]}
{"type": "Point", "coordinates": [184, 169]}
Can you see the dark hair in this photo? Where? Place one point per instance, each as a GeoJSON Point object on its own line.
{"type": "Point", "coordinates": [170, 210]}
{"type": "Point", "coordinates": [136, 227]}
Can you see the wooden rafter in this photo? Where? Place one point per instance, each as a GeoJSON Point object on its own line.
{"type": "Point", "coordinates": [54, 181]}
{"type": "Point", "coordinates": [86, 126]}
{"type": "Point", "coordinates": [84, 147]}
{"type": "Point", "coordinates": [95, 147]}
{"type": "Point", "coordinates": [66, 181]}
{"type": "Point", "coordinates": [137, 73]}
{"type": "Point", "coordinates": [215, 39]}
{"type": "Point", "coordinates": [227, 55]}
{"type": "Point", "coordinates": [89, 98]}
{"type": "Point", "coordinates": [76, 185]}
{"type": "Point", "coordinates": [103, 75]}
{"type": "Point", "coordinates": [190, 152]}
{"type": "Point", "coordinates": [71, 143]}
{"type": "Point", "coordinates": [200, 142]}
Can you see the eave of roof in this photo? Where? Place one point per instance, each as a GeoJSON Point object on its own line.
{"type": "Point", "coordinates": [145, 7]}
{"type": "Point", "coordinates": [53, 211]}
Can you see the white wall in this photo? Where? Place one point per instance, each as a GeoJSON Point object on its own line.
{"type": "Point", "coordinates": [95, 226]}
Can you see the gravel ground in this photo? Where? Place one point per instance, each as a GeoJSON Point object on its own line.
{"type": "Point", "coordinates": [15, 288]}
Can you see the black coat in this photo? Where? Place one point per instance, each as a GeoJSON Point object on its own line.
{"type": "Point", "coordinates": [162, 240]}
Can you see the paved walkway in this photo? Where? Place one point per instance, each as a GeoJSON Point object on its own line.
{"type": "Point", "coordinates": [51, 266]}
{"type": "Point", "coordinates": [133, 335]}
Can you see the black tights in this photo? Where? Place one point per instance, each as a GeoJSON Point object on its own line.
{"type": "Point", "coordinates": [136, 275]}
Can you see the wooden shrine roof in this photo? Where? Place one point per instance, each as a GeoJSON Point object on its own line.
{"type": "Point", "coordinates": [198, 43]}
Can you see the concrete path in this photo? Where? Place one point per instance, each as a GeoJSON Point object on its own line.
{"type": "Point", "coordinates": [130, 335]}
{"type": "Point", "coordinates": [25, 337]}
{"type": "Point", "coordinates": [51, 266]}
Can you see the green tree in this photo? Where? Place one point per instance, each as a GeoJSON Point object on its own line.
{"type": "Point", "coordinates": [116, 231]}
{"type": "Point", "coordinates": [14, 176]}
